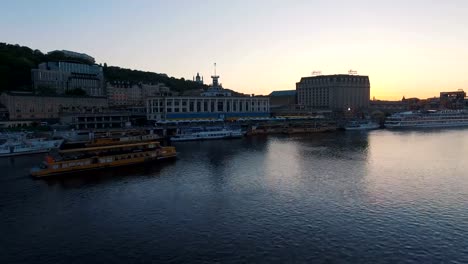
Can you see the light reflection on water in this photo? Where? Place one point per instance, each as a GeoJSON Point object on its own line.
{"type": "Point", "coordinates": [379, 196]}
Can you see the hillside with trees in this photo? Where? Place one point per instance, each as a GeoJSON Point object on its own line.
{"type": "Point", "coordinates": [113, 74]}
{"type": "Point", "coordinates": [17, 61]}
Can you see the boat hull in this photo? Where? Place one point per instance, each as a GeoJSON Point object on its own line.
{"type": "Point", "coordinates": [100, 166]}
{"type": "Point", "coordinates": [425, 125]}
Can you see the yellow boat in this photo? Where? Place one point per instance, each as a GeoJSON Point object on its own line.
{"type": "Point", "coordinates": [81, 159]}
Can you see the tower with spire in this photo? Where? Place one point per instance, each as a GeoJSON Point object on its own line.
{"type": "Point", "coordinates": [216, 89]}
{"type": "Point", "coordinates": [215, 78]}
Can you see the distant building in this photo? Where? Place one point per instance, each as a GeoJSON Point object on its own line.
{"type": "Point", "coordinates": [334, 92]}
{"type": "Point", "coordinates": [214, 103]}
{"type": "Point", "coordinates": [198, 78]}
{"type": "Point", "coordinates": [124, 94]}
{"type": "Point", "coordinates": [283, 101]}
{"type": "Point", "coordinates": [387, 106]}
{"type": "Point", "coordinates": [73, 54]}
{"type": "Point", "coordinates": [96, 120]}
{"type": "Point", "coordinates": [23, 106]}
{"type": "Point", "coordinates": [4, 115]}
{"type": "Point", "coordinates": [159, 89]}
{"type": "Point", "coordinates": [452, 100]}
{"type": "Point", "coordinates": [216, 89]}
{"type": "Point", "coordinates": [206, 107]}
{"type": "Point", "coordinates": [65, 76]}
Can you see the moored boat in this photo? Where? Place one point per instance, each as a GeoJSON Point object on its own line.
{"type": "Point", "coordinates": [21, 145]}
{"type": "Point", "coordinates": [428, 119]}
{"type": "Point", "coordinates": [210, 134]}
{"type": "Point", "coordinates": [82, 159]}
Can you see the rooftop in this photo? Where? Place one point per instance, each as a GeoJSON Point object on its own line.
{"type": "Point", "coordinates": [283, 93]}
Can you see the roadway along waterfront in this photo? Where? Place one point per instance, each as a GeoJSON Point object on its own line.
{"type": "Point", "coordinates": [363, 197]}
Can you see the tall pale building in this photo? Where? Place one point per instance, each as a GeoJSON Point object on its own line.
{"type": "Point", "coordinates": [334, 92]}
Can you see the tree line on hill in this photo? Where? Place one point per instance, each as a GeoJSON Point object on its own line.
{"type": "Point", "coordinates": [17, 61]}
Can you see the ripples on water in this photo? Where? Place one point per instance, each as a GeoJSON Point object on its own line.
{"type": "Point", "coordinates": [377, 197]}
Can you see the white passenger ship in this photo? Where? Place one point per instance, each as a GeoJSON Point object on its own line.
{"type": "Point", "coordinates": [13, 146]}
{"type": "Point", "coordinates": [207, 134]}
{"type": "Point", "coordinates": [428, 119]}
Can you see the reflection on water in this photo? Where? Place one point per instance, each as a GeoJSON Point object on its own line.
{"type": "Point", "coordinates": [379, 196]}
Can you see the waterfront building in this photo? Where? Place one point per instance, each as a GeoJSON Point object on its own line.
{"type": "Point", "coordinates": [334, 92]}
{"type": "Point", "coordinates": [122, 94]}
{"type": "Point", "coordinates": [207, 107]}
{"type": "Point", "coordinates": [214, 103]}
{"type": "Point", "coordinates": [387, 106]}
{"type": "Point", "coordinates": [283, 101]}
{"type": "Point", "coordinates": [216, 89]}
{"type": "Point", "coordinates": [67, 75]}
{"type": "Point", "coordinates": [452, 100]}
{"type": "Point", "coordinates": [97, 120]}
{"type": "Point", "coordinates": [27, 106]}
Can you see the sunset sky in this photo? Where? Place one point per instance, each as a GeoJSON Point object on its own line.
{"type": "Point", "coordinates": [409, 48]}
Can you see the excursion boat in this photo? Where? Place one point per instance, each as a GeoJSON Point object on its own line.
{"type": "Point", "coordinates": [210, 134]}
{"type": "Point", "coordinates": [82, 159]}
{"type": "Point", "coordinates": [428, 119]}
{"type": "Point", "coordinates": [20, 145]}
{"type": "Point", "coordinates": [356, 125]}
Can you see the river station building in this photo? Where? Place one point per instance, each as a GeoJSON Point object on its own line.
{"type": "Point", "coordinates": [214, 103]}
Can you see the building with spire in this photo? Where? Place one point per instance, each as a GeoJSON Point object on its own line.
{"type": "Point", "coordinates": [198, 79]}
{"type": "Point", "coordinates": [216, 89]}
{"type": "Point", "coordinates": [215, 103]}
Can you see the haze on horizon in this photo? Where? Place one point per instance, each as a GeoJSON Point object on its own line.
{"type": "Point", "coordinates": [407, 48]}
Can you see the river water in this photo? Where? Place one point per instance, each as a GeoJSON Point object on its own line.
{"type": "Point", "coordinates": [368, 197]}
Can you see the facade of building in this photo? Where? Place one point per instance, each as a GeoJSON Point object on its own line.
{"type": "Point", "coordinates": [96, 120]}
{"type": "Point", "coordinates": [452, 100]}
{"type": "Point", "coordinates": [283, 99]}
{"type": "Point", "coordinates": [34, 107]}
{"type": "Point", "coordinates": [64, 76]}
{"type": "Point", "coordinates": [214, 103]}
{"type": "Point", "coordinates": [216, 89]}
{"type": "Point", "coordinates": [387, 106]}
{"type": "Point", "coordinates": [124, 94]}
{"type": "Point", "coordinates": [334, 92]}
{"type": "Point", "coordinates": [204, 107]}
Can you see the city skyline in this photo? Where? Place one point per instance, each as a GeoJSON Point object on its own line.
{"type": "Point", "coordinates": [407, 49]}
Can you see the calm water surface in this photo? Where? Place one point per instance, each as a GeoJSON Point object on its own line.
{"type": "Point", "coordinates": [377, 197]}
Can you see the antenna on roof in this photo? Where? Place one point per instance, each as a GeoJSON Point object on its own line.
{"type": "Point", "coordinates": [316, 73]}
{"type": "Point", "coordinates": [352, 72]}
{"type": "Point", "coordinates": [215, 68]}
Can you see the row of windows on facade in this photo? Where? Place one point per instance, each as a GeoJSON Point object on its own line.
{"type": "Point", "coordinates": [207, 106]}
{"type": "Point", "coordinates": [208, 110]}
{"type": "Point", "coordinates": [335, 79]}
{"type": "Point", "coordinates": [79, 68]}
{"type": "Point", "coordinates": [184, 103]}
